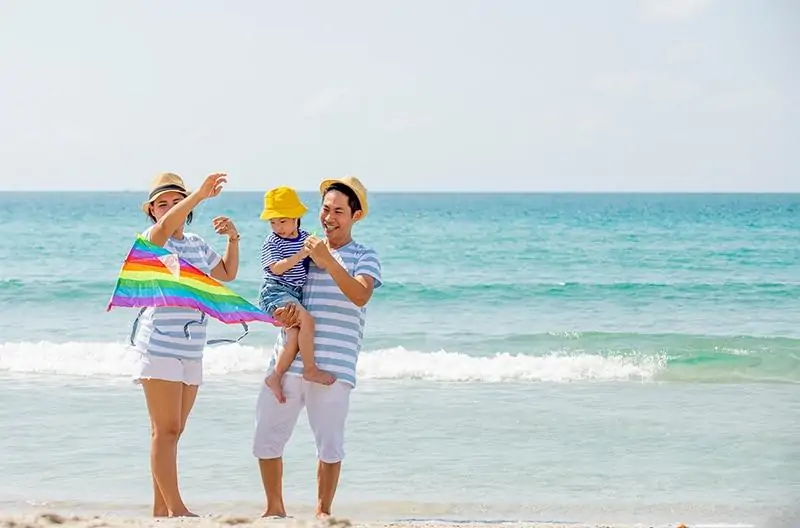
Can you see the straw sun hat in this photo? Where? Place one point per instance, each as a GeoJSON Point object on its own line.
{"type": "Point", "coordinates": [164, 183]}
{"type": "Point", "coordinates": [355, 185]}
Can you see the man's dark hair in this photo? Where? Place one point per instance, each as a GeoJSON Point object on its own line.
{"type": "Point", "coordinates": [352, 197]}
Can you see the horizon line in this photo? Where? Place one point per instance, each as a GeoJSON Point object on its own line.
{"type": "Point", "coordinates": [429, 191]}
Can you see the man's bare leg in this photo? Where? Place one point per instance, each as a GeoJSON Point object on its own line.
{"type": "Point", "coordinates": [272, 479]}
{"type": "Point", "coordinates": [327, 481]}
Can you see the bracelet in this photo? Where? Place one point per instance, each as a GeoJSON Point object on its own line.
{"type": "Point", "coordinates": [238, 236]}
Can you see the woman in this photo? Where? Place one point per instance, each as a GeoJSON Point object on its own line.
{"type": "Point", "coordinates": [170, 368]}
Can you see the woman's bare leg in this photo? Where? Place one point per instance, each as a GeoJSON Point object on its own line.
{"type": "Point", "coordinates": [187, 402]}
{"type": "Point", "coordinates": [165, 405]}
{"type": "Point", "coordinates": [159, 504]}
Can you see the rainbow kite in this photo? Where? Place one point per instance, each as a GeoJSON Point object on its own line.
{"type": "Point", "coordinates": [154, 276]}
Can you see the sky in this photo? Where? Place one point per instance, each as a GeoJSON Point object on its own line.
{"type": "Point", "coordinates": [419, 95]}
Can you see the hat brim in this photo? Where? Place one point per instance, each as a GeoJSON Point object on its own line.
{"type": "Point", "coordinates": [146, 204]}
{"type": "Point", "coordinates": [361, 197]}
{"type": "Point", "coordinates": [295, 212]}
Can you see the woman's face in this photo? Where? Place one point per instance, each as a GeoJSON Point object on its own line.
{"type": "Point", "coordinates": [164, 203]}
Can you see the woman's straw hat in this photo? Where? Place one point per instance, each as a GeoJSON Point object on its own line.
{"type": "Point", "coordinates": [164, 183]}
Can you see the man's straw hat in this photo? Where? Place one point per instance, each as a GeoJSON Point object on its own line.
{"type": "Point", "coordinates": [353, 183]}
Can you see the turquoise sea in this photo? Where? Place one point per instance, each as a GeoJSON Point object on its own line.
{"type": "Point", "coordinates": [603, 358]}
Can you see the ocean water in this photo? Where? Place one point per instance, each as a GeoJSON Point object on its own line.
{"type": "Point", "coordinates": [541, 357]}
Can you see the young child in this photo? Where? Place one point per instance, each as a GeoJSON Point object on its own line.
{"type": "Point", "coordinates": [285, 263]}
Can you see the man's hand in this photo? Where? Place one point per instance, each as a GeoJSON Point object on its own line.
{"type": "Point", "coordinates": [288, 315]}
{"type": "Point", "coordinates": [318, 251]}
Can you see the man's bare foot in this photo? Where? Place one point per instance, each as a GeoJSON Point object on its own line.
{"type": "Point", "coordinates": [316, 375]}
{"type": "Point", "coordinates": [273, 381]}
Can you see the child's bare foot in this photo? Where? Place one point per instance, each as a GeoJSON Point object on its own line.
{"type": "Point", "coordinates": [315, 375]}
{"type": "Point", "coordinates": [273, 381]}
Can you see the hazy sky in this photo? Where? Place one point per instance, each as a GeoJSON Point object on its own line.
{"type": "Point", "coordinates": [412, 95]}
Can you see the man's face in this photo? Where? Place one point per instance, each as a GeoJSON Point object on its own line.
{"type": "Point", "coordinates": [335, 215]}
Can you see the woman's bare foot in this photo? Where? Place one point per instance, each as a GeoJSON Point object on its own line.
{"type": "Point", "coordinates": [316, 375]}
{"type": "Point", "coordinates": [185, 513]}
{"type": "Point", "coordinates": [273, 381]}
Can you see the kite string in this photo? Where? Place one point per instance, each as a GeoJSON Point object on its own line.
{"type": "Point", "coordinates": [136, 325]}
{"type": "Point", "coordinates": [210, 342]}
{"type": "Point", "coordinates": [200, 322]}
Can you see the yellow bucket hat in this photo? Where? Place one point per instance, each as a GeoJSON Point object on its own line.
{"type": "Point", "coordinates": [282, 202]}
{"type": "Point", "coordinates": [164, 183]}
{"type": "Point", "coordinates": [354, 184]}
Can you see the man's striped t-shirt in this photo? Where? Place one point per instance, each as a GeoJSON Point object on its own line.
{"type": "Point", "coordinates": [277, 248]}
{"type": "Point", "coordinates": [161, 329]}
{"type": "Point", "coordinates": [339, 324]}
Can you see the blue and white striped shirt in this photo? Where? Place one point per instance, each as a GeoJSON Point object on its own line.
{"type": "Point", "coordinates": [339, 324]}
{"type": "Point", "coordinates": [277, 248]}
{"type": "Point", "coordinates": [161, 329]}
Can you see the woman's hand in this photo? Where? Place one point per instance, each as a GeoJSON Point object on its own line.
{"type": "Point", "coordinates": [224, 226]}
{"type": "Point", "coordinates": [212, 185]}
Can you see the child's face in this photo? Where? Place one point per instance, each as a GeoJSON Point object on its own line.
{"type": "Point", "coordinates": [284, 227]}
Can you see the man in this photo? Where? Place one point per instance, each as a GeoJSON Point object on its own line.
{"type": "Point", "coordinates": [341, 279]}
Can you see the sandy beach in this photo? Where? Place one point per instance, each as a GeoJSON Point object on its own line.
{"type": "Point", "coordinates": [52, 520]}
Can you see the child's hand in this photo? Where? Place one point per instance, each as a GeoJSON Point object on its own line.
{"type": "Point", "coordinates": [318, 251]}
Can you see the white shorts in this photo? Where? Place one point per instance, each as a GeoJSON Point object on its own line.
{"type": "Point", "coordinates": [326, 405]}
{"type": "Point", "coordinates": [188, 371]}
